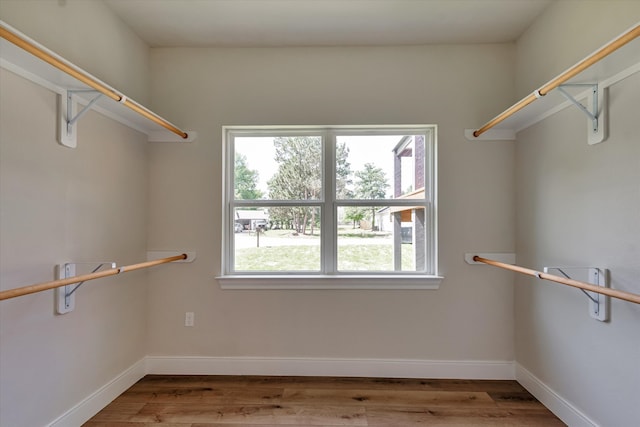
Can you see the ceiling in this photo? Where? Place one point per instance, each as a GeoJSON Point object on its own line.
{"type": "Point", "coordinates": [257, 23]}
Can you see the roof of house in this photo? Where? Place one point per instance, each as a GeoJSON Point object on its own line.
{"type": "Point", "coordinates": [251, 214]}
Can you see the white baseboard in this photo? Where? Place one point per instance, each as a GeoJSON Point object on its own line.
{"type": "Point", "coordinates": [100, 398]}
{"type": "Point", "coordinates": [330, 367]}
{"type": "Point", "coordinates": [562, 408]}
{"type": "Point", "coordinates": [190, 365]}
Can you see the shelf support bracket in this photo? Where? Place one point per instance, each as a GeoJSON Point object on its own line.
{"type": "Point", "coordinates": [598, 303]}
{"type": "Point", "coordinates": [68, 117]}
{"type": "Point", "coordinates": [594, 110]}
{"type": "Point", "coordinates": [65, 295]}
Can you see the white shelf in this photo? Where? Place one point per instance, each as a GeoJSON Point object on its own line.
{"type": "Point", "coordinates": [613, 68]}
{"type": "Point", "coordinates": [23, 63]}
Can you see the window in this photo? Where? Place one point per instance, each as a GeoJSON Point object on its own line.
{"type": "Point", "coordinates": [306, 205]}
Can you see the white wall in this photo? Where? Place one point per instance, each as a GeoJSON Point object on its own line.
{"type": "Point", "coordinates": [68, 205]}
{"type": "Point", "coordinates": [565, 33]}
{"type": "Point", "coordinates": [469, 319]}
{"type": "Point", "coordinates": [579, 205]}
{"type": "Point", "coordinates": [90, 35]}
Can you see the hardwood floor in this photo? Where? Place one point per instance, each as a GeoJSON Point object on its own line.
{"type": "Point", "coordinates": [201, 401]}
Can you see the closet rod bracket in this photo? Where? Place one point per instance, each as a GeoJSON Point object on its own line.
{"type": "Point", "coordinates": [68, 118]}
{"type": "Point", "coordinates": [594, 110]}
{"type": "Point", "coordinates": [65, 295]}
{"type": "Point", "coordinates": [598, 303]}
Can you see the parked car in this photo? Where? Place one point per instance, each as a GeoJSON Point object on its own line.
{"type": "Point", "coordinates": [237, 227]}
{"type": "Point", "coordinates": [262, 224]}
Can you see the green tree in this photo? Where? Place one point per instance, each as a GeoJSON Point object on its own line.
{"type": "Point", "coordinates": [355, 214]}
{"type": "Point", "coordinates": [299, 177]}
{"type": "Point", "coordinates": [245, 180]}
{"type": "Point", "coordinates": [371, 183]}
{"type": "Point", "coordinates": [343, 172]}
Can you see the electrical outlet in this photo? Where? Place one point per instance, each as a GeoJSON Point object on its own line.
{"type": "Point", "coordinates": [189, 318]}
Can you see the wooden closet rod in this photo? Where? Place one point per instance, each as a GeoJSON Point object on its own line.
{"type": "Point", "coordinates": [571, 72]}
{"type": "Point", "coordinates": [87, 79]}
{"type": "Point", "coordinates": [627, 296]}
{"type": "Point", "coordinates": [39, 287]}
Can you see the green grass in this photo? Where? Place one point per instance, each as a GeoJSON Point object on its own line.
{"type": "Point", "coordinates": [278, 258]}
{"type": "Point", "coordinates": [370, 257]}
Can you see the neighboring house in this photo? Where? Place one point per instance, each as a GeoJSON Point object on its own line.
{"type": "Point", "coordinates": [408, 224]}
{"type": "Point", "coordinates": [250, 219]}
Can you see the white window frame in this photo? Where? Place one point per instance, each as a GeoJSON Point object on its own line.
{"type": "Point", "coordinates": [329, 278]}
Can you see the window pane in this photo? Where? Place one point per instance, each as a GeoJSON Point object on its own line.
{"type": "Point", "coordinates": [281, 238]}
{"type": "Point", "coordinates": [380, 166]}
{"type": "Point", "coordinates": [374, 238]}
{"type": "Point", "coordinates": [278, 168]}
{"type": "Point", "coordinates": [373, 184]}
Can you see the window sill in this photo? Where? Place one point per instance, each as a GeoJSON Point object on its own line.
{"type": "Point", "coordinates": [341, 282]}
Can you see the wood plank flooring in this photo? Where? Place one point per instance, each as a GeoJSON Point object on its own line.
{"type": "Point", "coordinates": [215, 401]}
